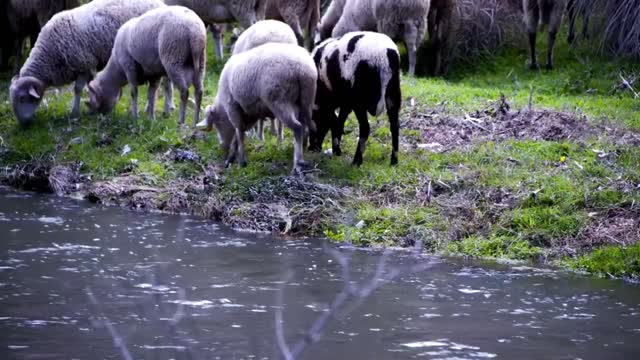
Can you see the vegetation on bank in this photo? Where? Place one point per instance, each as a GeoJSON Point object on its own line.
{"type": "Point", "coordinates": [496, 162]}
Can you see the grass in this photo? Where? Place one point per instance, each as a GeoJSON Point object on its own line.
{"type": "Point", "coordinates": [522, 198]}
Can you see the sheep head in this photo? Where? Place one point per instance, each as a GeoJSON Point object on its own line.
{"type": "Point", "coordinates": [26, 94]}
{"type": "Point", "coordinates": [101, 101]}
{"type": "Point", "coordinates": [216, 116]}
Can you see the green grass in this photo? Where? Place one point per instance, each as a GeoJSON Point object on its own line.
{"type": "Point", "coordinates": [611, 261]}
{"type": "Point", "coordinates": [512, 199]}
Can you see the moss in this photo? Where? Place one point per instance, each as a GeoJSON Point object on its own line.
{"type": "Point", "coordinates": [496, 247]}
{"type": "Point", "coordinates": [611, 261]}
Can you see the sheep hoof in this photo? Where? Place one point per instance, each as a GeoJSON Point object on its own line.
{"type": "Point", "coordinates": [534, 66]}
{"type": "Point", "coordinates": [243, 163]}
{"type": "Point", "coordinates": [394, 160]}
{"type": "Point", "coordinates": [337, 151]}
{"type": "Point", "coordinates": [357, 160]}
{"type": "Point", "coordinates": [549, 67]}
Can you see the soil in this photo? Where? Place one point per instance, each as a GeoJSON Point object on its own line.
{"type": "Point", "coordinates": [305, 206]}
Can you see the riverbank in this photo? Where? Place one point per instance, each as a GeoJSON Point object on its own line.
{"type": "Point", "coordinates": [496, 161]}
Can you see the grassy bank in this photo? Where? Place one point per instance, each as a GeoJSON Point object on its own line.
{"type": "Point", "coordinates": [496, 162]}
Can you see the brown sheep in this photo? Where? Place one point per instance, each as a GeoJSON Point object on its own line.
{"type": "Point", "coordinates": [440, 30]}
{"type": "Point", "coordinates": [301, 15]}
{"type": "Point", "coordinates": [547, 12]}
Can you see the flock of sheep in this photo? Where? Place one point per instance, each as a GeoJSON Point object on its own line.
{"type": "Point", "coordinates": [354, 67]}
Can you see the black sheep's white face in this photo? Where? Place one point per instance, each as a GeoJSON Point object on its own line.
{"type": "Point", "coordinates": [26, 94]}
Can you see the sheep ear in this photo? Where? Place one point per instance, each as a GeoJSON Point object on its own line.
{"type": "Point", "coordinates": [34, 93]}
{"type": "Point", "coordinates": [93, 98]}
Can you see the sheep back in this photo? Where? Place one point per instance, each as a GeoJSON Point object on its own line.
{"type": "Point", "coordinates": [355, 70]}
{"type": "Point", "coordinates": [247, 12]}
{"type": "Point", "coordinates": [263, 32]}
{"type": "Point", "coordinates": [266, 75]}
{"type": "Point", "coordinates": [79, 41]}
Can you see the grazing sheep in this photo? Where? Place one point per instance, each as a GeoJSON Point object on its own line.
{"type": "Point", "coordinates": [359, 72]}
{"type": "Point", "coordinates": [170, 41]}
{"type": "Point", "coordinates": [329, 20]}
{"type": "Point", "coordinates": [548, 12]}
{"type": "Point", "coordinates": [246, 12]}
{"type": "Point", "coordinates": [301, 15]}
{"type": "Point", "coordinates": [70, 48]}
{"type": "Point", "coordinates": [272, 80]}
{"type": "Point", "coordinates": [440, 30]}
{"type": "Point", "coordinates": [260, 33]}
{"type": "Point", "coordinates": [400, 20]}
{"type": "Point", "coordinates": [25, 18]}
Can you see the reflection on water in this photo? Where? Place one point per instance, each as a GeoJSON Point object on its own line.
{"type": "Point", "coordinates": [73, 275]}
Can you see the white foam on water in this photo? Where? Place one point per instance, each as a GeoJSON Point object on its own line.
{"type": "Point", "coordinates": [51, 220]}
{"type": "Point", "coordinates": [56, 247]}
{"type": "Point", "coordinates": [471, 291]}
{"type": "Point", "coordinates": [580, 316]}
{"type": "Point", "coordinates": [421, 344]}
{"type": "Point", "coordinates": [430, 316]}
{"type": "Point", "coordinates": [163, 347]}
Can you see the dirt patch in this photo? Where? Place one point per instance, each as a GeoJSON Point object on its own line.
{"type": "Point", "coordinates": [287, 205]}
{"type": "Point", "coordinates": [442, 132]}
{"type": "Point", "coordinates": [42, 176]}
{"type": "Point", "coordinates": [618, 227]}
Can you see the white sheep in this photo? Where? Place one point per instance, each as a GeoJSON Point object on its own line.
{"type": "Point", "coordinates": [170, 41]}
{"type": "Point", "coordinates": [301, 15]}
{"type": "Point", "coordinates": [404, 20]}
{"type": "Point", "coordinates": [272, 80]}
{"type": "Point", "coordinates": [260, 33]}
{"type": "Point", "coordinates": [71, 47]}
{"type": "Point", "coordinates": [358, 72]}
{"type": "Point", "coordinates": [246, 12]}
{"type": "Point", "coordinates": [548, 12]}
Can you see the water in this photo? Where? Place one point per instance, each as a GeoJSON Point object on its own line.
{"type": "Point", "coordinates": [68, 270]}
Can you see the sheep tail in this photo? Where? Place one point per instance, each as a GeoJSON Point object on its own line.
{"type": "Point", "coordinates": [198, 47]}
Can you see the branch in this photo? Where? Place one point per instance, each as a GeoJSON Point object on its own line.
{"type": "Point", "coordinates": [350, 292]}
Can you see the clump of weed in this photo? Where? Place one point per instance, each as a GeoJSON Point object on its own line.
{"type": "Point", "coordinates": [497, 247]}
{"type": "Point", "coordinates": [614, 261]}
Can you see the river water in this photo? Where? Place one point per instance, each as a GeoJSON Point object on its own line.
{"type": "Point", "coordinates": [85, 282]}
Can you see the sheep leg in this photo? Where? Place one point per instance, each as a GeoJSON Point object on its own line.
{"type": "Point", "coordinates": [294, 22]}
{"type": "Point", "coordinates": [230, 157]}
{"type": "Point", "coordinates": [198, 91]}
{"type": "Point", "coordinates": [365, 129]}
{"type": "Point", "coordinates": [217, 31]}
{"type": "Point", "coordinates": [286, 115]}
{"type": "Point", "coordinates": [134, 100]}
{"type": "Point", "coordinates": [80, 83]}
{"type": "Point", "coordinates": [279, 130]}
{"type": "Point", "coordinates": [168, 97]}
{"type": "Point", "coordinates": [411, 42]}
{"type": "Point", "coordinates": [337, 130]}
{"type": "Point", "coordinates": [532, 15]}
{"type": "Point", "coordinates": [394, 102]}
{"type": "Point", "coordinates": [552, 40]}
{"type": "Point", "coordinates": [236, 118]}
{"type": "Point", "coordinates": [151, 98]}
{"type": "Point", "coordinates": [261, 130]}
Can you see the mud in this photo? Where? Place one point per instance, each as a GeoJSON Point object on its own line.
{"type": "Point", "coordinates": [441, 131]}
